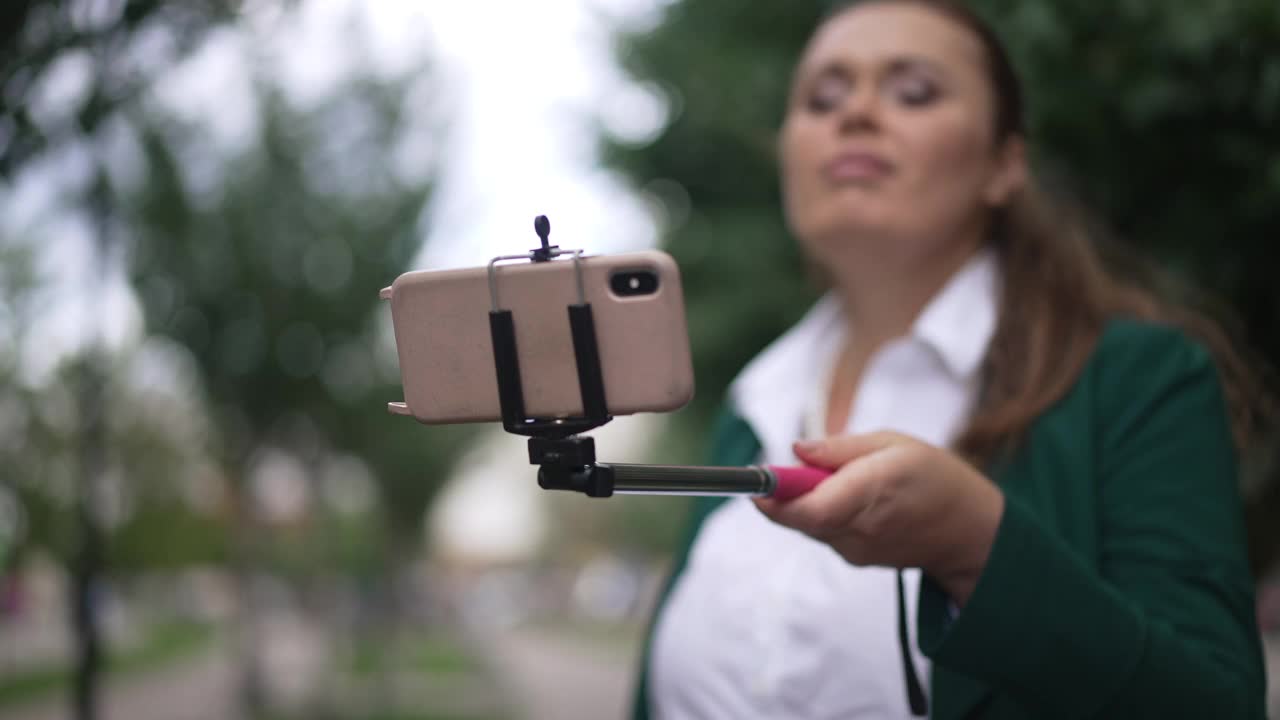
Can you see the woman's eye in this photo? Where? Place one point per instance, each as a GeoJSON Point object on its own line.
{"type": "Point", "coordinates": [914, 91]}
{"type": "Point", "coordinates": [827, 94]}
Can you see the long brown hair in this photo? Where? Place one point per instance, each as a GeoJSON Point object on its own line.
{"type": "Point", "coordinates": [1059, 293]}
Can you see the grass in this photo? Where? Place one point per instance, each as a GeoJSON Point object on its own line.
{"type": "Point", "coordinates": [430, 655]}
{"type": "Point", "coordinates": [439, 657]}
{"type": "Point", "coordinates": [165, 644]}
{"type": "Point", "coordinates": [415, 716]}
{"type": "Point", "coordinates": [435, 656]}
{"type": "Point", "coordinates": [29, 684]}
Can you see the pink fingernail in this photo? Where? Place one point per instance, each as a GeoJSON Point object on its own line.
{"type": "Point", "coordinates": [807, 447]}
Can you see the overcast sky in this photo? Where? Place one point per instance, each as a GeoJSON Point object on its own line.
{"type": "Point", "coordinates": [531, 81]}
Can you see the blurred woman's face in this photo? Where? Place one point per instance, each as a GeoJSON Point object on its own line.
{"type": "Point", "coordinates": [888, 144]}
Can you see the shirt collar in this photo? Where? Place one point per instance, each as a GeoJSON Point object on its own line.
{"type": "Point", "coordinates": [957, 324]}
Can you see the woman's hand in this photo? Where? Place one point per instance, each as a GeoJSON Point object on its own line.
{"type": "Point", "coordinates": [900, 502]}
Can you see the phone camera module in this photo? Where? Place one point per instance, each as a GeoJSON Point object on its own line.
{"type": "Point", "coordinates": [634, 283]}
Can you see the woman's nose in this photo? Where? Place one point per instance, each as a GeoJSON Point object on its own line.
{"type": "Point", "coordinates": [860, 110]}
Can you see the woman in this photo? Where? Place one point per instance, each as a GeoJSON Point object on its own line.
{"type": "Point", "coordinates": [1044, 447]}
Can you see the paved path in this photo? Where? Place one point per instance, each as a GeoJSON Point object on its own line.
{"type": "Point", "coordinates": [552, 675]}
{"type": "Point", "coordinates": [548, 675]}
{"type": "Point", "coordinates": [557, 676]}
{"type": "Point", "coordinates": [203, 686]}
{"type": "Point", "coordinates": [199, 688]}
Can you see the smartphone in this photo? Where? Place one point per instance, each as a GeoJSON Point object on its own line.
{"type": "Point", "coordinates": [441, 321]}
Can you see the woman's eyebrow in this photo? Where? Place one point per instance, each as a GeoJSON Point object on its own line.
{"type": "Point", "coordinates": [906, 63]}
{"type": "Point", "coordinates": [893, 66]}
{"type": "Point", "coordinates": [831, 68]}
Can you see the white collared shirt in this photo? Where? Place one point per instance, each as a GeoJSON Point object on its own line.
{"type": "Point", "coordinates": [765, 622]}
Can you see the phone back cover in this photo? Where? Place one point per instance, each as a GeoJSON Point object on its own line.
{"type": "Point", "coordinates": [442, 332]}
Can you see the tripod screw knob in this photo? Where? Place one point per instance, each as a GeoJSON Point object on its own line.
{"type": "Point", "coordinates": [542, 226]}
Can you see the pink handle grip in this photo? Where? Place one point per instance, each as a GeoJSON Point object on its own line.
{"type": "Point", "coordinates": [796, 481]}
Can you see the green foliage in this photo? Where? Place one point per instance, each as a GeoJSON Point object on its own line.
{"type": "Point", "coordinates": [69, 68]}
{"type": "Point", "coordinates": [169, 537]}
{"type": "Point", "coordinates": [36, 35]}
{"type": "Point", "coordinates": [270, 278]}
{"type": "Point", "coordinates": [1162, 117]}
{"type": "Point", "coordinates": [724, 67]}
{"type": "Point", "coordinates": [152, 443]}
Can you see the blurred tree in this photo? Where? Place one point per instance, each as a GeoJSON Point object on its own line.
{"type": "Point", "coordinates": [1161, 116]}
{"type": "Point", "coordinates": [723, 67]}
{"type": "Point", "coordinates": [67, 66]}
{"type": "Point", "coordinates": [159, 500]}
{"type": "Point", "coordinates": [264, 267]}
{"type": "Point", "coordinates": [265, 264]}
{"type": "Point", "coordinates": [17, 279]}
{"type": "Point", "coordinates": [89, 45]}
{"type": "Point", "coordinates": [269, 275]}
{"type": "Point", "coordinates": [149, 439]}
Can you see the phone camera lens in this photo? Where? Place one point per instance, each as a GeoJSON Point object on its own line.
{"type": "Point", "coordinates": [633, 283]}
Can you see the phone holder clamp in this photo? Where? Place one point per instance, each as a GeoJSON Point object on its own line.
{"type": "Point", "coordinates": [567, 460]}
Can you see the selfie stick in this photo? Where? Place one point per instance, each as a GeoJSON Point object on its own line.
{"type": "Point", "coordinates": [566, 459]}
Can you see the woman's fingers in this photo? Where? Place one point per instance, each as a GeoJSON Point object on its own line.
{"type": "Point", "coordinates": [831, 507]}
{"type": "Point", "coordinates": [898, 502]}
{"type": "Point", "coordinates": [835, 451]}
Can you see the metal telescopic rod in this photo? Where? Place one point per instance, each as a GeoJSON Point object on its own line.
{"type": "Point", "coordinates": [684, 480]}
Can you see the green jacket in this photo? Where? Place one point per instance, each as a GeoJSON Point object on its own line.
{"type": "Point", "coordinates": [1118, 585]}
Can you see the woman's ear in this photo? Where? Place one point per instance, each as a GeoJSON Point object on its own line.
{"type": "Point", "coordinates": [1010, 174]}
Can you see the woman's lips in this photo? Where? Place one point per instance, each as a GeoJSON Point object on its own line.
{"type": "Point", "coordinates": [856, 167]}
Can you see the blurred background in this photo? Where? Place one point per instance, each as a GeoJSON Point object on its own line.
{"type": "Point", "coordinates": [206, 512]}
